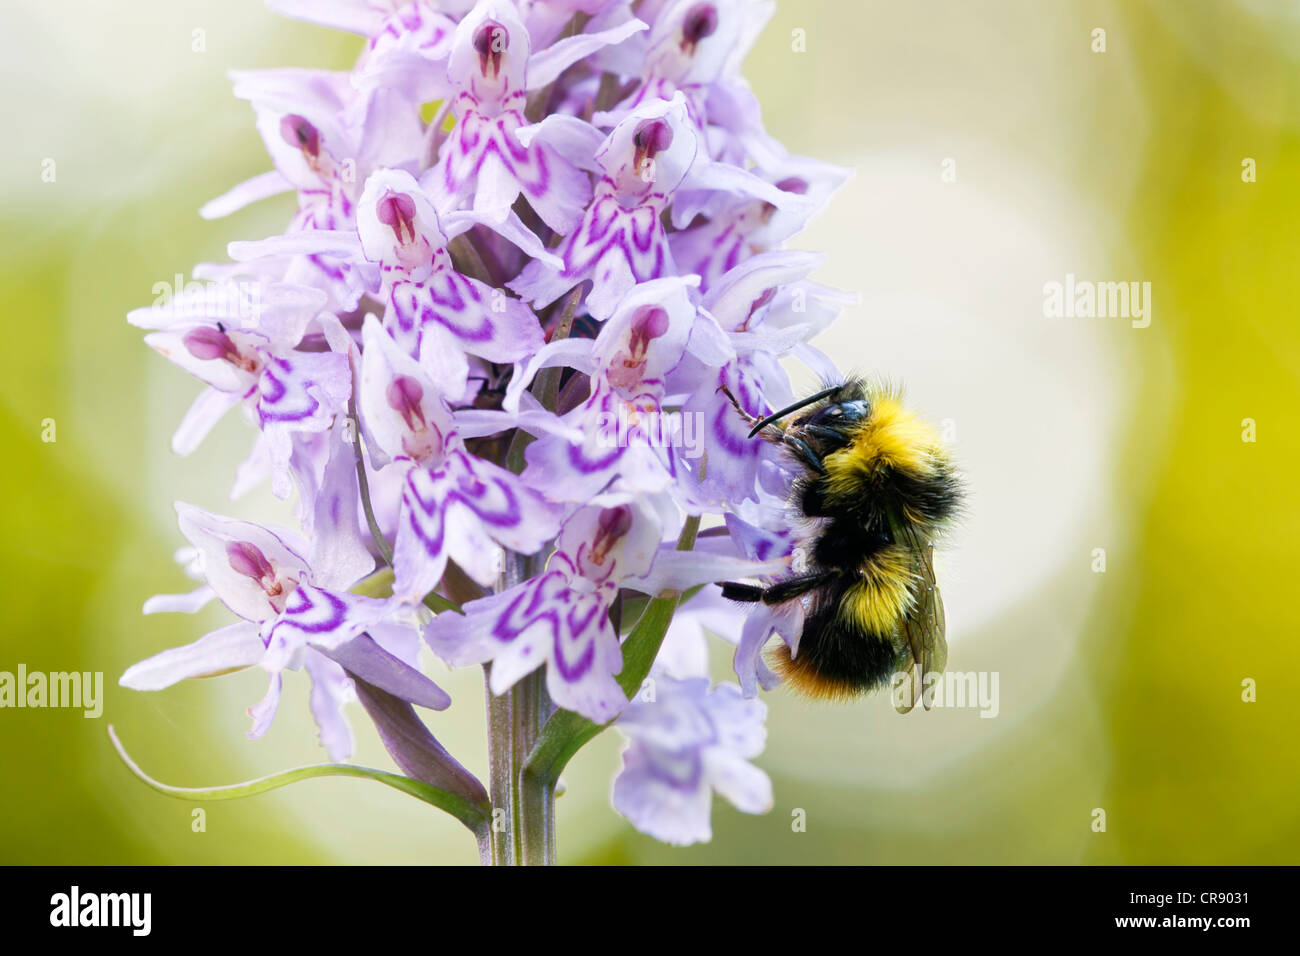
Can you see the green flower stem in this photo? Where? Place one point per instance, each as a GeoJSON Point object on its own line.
{"type": "Point", "coordinates": [523, 818]}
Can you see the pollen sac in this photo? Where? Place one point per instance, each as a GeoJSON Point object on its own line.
{"type": "Point", "coordinates": [651, 138]}
{"type": "Point", "coordinates": [491, 41]}
{"type": "Point", "coordinates": [398, 226]}
{"type": "Point", "coordinates": [298, 132]}
{"type": "Point", "coordinates": [248, 559]}
{"type": "Point", "coordinates": [397, 212]}
{"type": "Point", "coordinates": [700, 22]}
{"type": "Point", "coordinates": [208, 344]}
{"type": "Point", "coordinates": [628, 368]}
{"type": "Point", "coordinates": [614, 523]}
{"type": "Point", "coordinates": [404, 394]}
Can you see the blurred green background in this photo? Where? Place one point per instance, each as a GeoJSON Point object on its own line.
{"type": "Point", "coordinates": [1120, 690]}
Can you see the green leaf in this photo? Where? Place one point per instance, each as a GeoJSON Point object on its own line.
{"type": "Point", "coordinates": [463, 810]}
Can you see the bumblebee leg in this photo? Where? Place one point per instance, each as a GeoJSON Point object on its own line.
{"type": "Point", "coordinates": [822, 431]}
{"type": "Point", "coordinates": [746, 593]}
{"type": "Point", "coordinates": [805, 454]}
{"type": "Point", "coordinates": [792, 588]}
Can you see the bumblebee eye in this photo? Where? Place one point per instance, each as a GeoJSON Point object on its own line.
{"type": "Point", "coordinates": [834, 411]}
{"type": "Point", "coordinates": [854, 411]}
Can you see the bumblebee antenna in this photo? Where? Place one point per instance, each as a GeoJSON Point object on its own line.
{"type": "Point", "coordinates": [802, 403]}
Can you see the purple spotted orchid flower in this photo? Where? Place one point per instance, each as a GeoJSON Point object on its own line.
{"type": "Point", "coordinates": [536, 242]}
{"type": "Point", "coordinates": [561, 617]}
{"type": "Point", "coordinates": [455, 506]}
{"type": "Point", "coordinates": [292, 617]}
{"type": "Point", "coordinates": [253, 360]}
{"type": "Point", "coordinates": [627, 434]}
{"type": "Point", "coordinates": [492, 69]}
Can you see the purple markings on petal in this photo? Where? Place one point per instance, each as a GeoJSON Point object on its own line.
{"type": "Point", "coordinates": [454, 304]}
{"type": "Point", "coordinates": [491, 500]}
{"type": "Point", "coordinates": [285, 396]}
{"type": "Point", "coordinates": [577, 630]}
{"type": "Point", "coordinates": [516, 620]}
{"type": "Point", "coordinates": [301, 605]}
{"type": "Point", "coordinates": [588, 465]}
{"type": "Point", "coordinates": [683, 770]}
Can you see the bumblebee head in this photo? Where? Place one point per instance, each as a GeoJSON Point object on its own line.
{"type": "Point", "coordinates": [869, 451]}
{"type": "Point", "coordinates": [832, 426]}
{"type": "Point", "coordinates": [831, 419]}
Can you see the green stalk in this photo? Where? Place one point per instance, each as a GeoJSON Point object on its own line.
{"type": "Point", "coordinates": [523, 806]}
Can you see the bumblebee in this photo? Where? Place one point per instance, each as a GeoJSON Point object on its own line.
{"type": "Point", "coordinates": [877, 488]}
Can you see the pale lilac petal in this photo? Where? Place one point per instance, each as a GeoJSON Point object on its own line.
{"type": "Point", "coordinates": [748, 788]}
{"type": "Point", "coordinates": [354, 16]}
{"type": "Point", "coordinates": [230, 648]}
{"type": "Point", "coordinates": [250, 191]}
{"type": "Point", "coordinates": [189, 603]}
{"type": "Point", "coordinates": [263, 712]}
{"type": "Point", "coordinates": [570, 353]}
{"type": "Point", "coordinates": [575, 140]}
{"type": "Point", "coordinates": [341, 554]}
{"type": "Point", "coordinates": [664, 800]}
{"type": "Point", "coordinates": [366, 659]}
{"type": "Point", "coordinates": [679, 570]}
{"type": "Point", "coordinates": [331, 689]}
{"type": "Point", "coordinates": [254, 469]}
{"type": "Point", "coordinates": [209, 407]}
{"type": "Point", "coordinates": [310, 242]}
{"type": "Point", "coordinates": [546, 65]}
{"type": "Point", "coordinates": [511, 228]}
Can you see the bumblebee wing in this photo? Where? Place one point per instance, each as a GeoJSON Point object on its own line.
{"type": "Point", "coordinates": [924, 630]}
{"type": "Point", "coordinates": [905, 691]}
